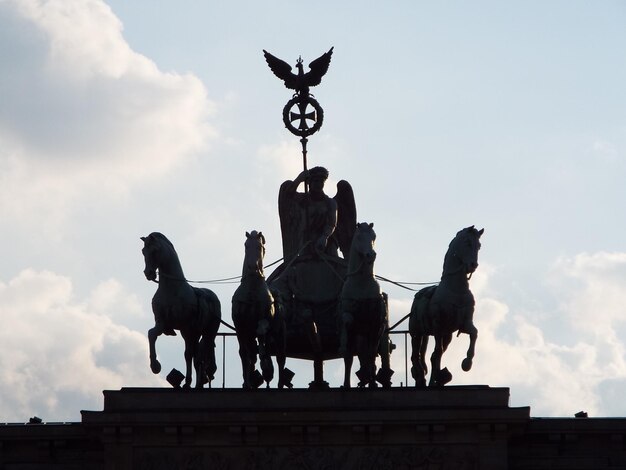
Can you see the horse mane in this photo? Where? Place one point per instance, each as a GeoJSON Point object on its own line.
{"type": "Point", "coordinates": [162, 240]}
{"type": "Point", "coordinates": [467, 230]}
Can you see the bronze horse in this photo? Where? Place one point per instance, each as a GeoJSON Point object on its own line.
{"type": "Point", "coordinates": [257, 322]}
{"type": "Point", "coordinates": [362, 308]}
{"type": "Point", "coordinates": [195, 312]}
{"type": "Point", "coordinates": [441, 310]}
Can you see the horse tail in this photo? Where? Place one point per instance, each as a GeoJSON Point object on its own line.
{"type": "Point", "coordinates": [419, 321]}
{"type": "Point", "coordinates": [209, 317]}
{"type": "Point", "coordinates": [209, 312]}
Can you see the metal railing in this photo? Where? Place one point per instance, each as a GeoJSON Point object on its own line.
{"type": "Point", "coordinates": [404, 333]}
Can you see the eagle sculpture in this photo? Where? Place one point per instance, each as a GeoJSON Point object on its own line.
{"type": "Point", "coordinates": [300, 81]}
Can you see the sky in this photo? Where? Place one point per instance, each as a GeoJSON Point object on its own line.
{"type": "Point", "coordinates": [122, 118]}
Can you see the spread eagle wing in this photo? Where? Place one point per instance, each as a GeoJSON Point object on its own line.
{"type": "Point", "coordinates": [318, 67]}
{"type": "Point", "coordinates": [281, 69]}
{"type": "Point", "coordinates": [346, 217]}
{"type": "Point", "coordinates": [313, 77]}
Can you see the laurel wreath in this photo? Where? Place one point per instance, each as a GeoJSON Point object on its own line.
{"type": "Point", "coordinates": [319, 119]}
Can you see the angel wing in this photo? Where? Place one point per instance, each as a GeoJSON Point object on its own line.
{"type": "Point", "coordinates": [291, 222]}
{"type": "Point", "coordinates": [346, 217]}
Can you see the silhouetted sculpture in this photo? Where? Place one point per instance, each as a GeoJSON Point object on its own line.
{"type": "Point", "coordinates": [297, 108]}
{"type": "Point", "coordinates": [301, 81]}
{"type": "Point", "coordinates": [313, 227]}
{"type": "Point", "coordinates": [441, 310]}
{"type": "Point", "coordinates": [195, 312]}
{"type": "Point", "coordinates": [309, 281]}
{"type": "Point", "coordinates": [313, 223]}
{"type": "Point", "coordinates": [256, 320]}
{"type": "Point", "coordinates": [362, 308]}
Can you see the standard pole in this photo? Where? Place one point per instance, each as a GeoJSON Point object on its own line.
{"type": "Point", "coordinates": [304, 141]}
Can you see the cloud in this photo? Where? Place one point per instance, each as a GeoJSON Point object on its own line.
{"type": "Point", "coordinates": [284, 158]}
{"type": "Point", "coordinates": [83, 115]}
{"type": "Point", "coordinates": [593, 290]}
{"type": "Point", "coordinates": [605, 150]}
{"type": "Point", "coordinates": [55, 346]}
{"type": "Point", "coordinates": [561, 372]}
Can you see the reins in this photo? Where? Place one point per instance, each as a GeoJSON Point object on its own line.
{"type": "Point", "coordinates": [460, 268]}
{"type": "Point", "coordinates": [225, 280]}
{"type": "Point", "coordinates": [235, 279]}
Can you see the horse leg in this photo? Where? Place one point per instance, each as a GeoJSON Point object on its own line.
{"type": "Point", "coordinates": [435, 362]}
{"type": "Point", "coordinates": [246, 364]}
{"type": "Point", "coordinates": [153, 334]}
{"type": "Point", "coordinates": [281, 359]}
{"type": "Point", "coordinates": [280, 341]}
{"type": "Point", "coordinates": [473, 334]}
{"type": "Point", "coordinates": [201, 363]}
{"type": "Point", "coordinates": [267, 368]}
{"type": "Point", "coordinates": [362, 352]}
{"type": "Point", "coordinates": [346, 347]}
{"type": "Point", "coordinates": [206, 365]}
{"type": "Point", "coordinates": [384, 351]}
{"type": "Point", "coordinates": [372, 348]}
{"type": "Point", "coordinates": [372, 342]}
{"type": "Point", "coordinates": [210, 365]}
{"type": "Point", "coordinates": [439, 377]}
{"type": "Point", "coordinates": [419, 369]}
{"type": "Point", "coordinates": [245, 339]}
{"type": "Point", "coordinates": [206, 345]}
{"type": "Point", "coordinates": [191, 349]}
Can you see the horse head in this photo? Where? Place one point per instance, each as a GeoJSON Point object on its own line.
{"type": "Point", "coordinates": [153, 253]}
{"type": "Point", "coordinates": [464, 250]}
{"type": "Point", "coordinates": [254, 252]}
{"type": "Point", "coordinates": [363, 243]}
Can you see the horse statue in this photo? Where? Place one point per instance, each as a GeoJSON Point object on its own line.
{"type": "Point", "coordinates": [362, 307]}
{"type": "Point", "coordinates": [441, 310]}
{"type": "Point", "coordinates": [195, 312]}
{"type": "Point", "coordinates": [258, 322]}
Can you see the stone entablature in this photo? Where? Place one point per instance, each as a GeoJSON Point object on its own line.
{"type": "Point", "coordinates": [456, 427]}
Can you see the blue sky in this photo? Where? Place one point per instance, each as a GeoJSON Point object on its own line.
{"type": "Point", "coordinates": [122, 118]}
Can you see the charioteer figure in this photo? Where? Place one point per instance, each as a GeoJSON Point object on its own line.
{"type": "Point", "coordinates": [315, 228]}
{"type": "Point", "coordinates": [313, 223]}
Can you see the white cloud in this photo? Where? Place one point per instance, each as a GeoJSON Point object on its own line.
{"type": "Point", "coordinates": [555, 373]}
{"type": "Point", "coordinates": [284, 158]}
{"type": "Point", "coordinates": [560, 373]}
{"type": "Point", "coordinates": [592, 287]}
{"type": "Point", "coordinates": [54, 345]}
{"type": "Point", "coordinates": [604, 149]}
{"type": "Point", "coordinates": [83, 115]}
{"type": "Point", "coordinates": [111, 299]}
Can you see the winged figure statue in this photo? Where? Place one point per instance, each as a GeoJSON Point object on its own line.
{"type": "Point", "coordinates": [315, 222]}
{"type": "Point", "coordinates": [300, 82]}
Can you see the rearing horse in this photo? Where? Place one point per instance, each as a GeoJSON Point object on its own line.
{"type": "Point", "coordinates": [256, 320]}
{"type": "Point", "coordinates": [195, 312]}
{"type": "Point", "coordinates": [441, 310]}
{"type": "Point", "coordinates": [362, 308]}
